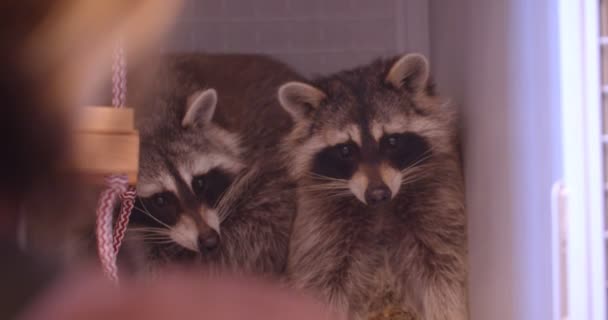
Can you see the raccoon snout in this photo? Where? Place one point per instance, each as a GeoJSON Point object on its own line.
{"type": "Point", "coordinates": [208, 242]}
{"type": "Point", "coordinates": [376, 195]}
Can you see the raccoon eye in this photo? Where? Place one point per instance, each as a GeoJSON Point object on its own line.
{"type": "Point", "coordinates": [404, 149]}
{"type": "Point", "coordinates": [210, 186]}
{"type": "Point", "coordinates": [162, 206]}
{"type": "Point", "coordinates": [346, 151]}
{"type": "Point", "coordinates": [199, 184]}
{"type": "Point", "coordinates": [392, 141]}
{"type": "Point", "coordinates": [160, 201]}
{"type": "Point", "coordinates": [339, 161]}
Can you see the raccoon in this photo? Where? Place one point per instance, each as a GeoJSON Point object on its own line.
{"type": "Point", "coordinates": [381, 219]}
{"type": "Point", "coordinates": [210, 189]}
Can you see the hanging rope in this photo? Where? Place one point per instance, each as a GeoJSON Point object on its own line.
{"type": "Point", "coordinates": [109, 237]}
{"type": "Point", "coordinates": [128, 199]}
{"type": "Point", "coordinates": [105, 241]}
{"type": "Point", "coordinates": [119, 77]}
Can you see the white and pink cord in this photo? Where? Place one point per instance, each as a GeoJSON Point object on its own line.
{"type": "Point", "coordinates": [110, 234]}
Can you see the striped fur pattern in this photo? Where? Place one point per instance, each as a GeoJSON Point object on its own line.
{"type": "Point", "coordinates": [381, 217]}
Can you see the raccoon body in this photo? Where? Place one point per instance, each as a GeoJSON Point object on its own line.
{"type": "Point", "coordinates": [381, 219]}
{"type": "Point", "coordinates": [210, 189]}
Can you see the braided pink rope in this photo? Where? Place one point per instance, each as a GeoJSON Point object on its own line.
{"type": "Point", "coordinates": [128, 200]}
{"type": "Point", "coordinates": [109, 238]}
{"type": "Point", "coordinates": [105, 242]}
{"type": "Point", "coordinates": [119, 77]}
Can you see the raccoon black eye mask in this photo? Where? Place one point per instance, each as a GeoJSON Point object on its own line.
{"type": "Point", "coordinates": [339, 161]}
{"type": "Point", "coordinates": [403, 150]}
{"type": "Point", "coordinates": [165, 206]}
{"type": "Point", "coordinates": [211, 186]}
{"type": "Point", "coordinates": [399, 152]}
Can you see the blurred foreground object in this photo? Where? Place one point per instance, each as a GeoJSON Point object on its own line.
{"type": "Point", "coordinates": [76, 39]}
{"type": "Point", "coordinates": [22, 278]}
{"type": "Point", "coordinates": [181, 296]}
{"type": "Point", "coordinates": [53, 56]}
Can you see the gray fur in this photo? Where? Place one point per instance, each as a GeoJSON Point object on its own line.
{"type": "Point", "coordinates": [410, 252]}
{"type": "Point", "coordinates": [257, 209]}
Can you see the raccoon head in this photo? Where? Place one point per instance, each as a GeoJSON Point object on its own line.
{"type": "Point", "coordinates": [366, 132]}
{"type": "Point", "coordinates": [186, 164]}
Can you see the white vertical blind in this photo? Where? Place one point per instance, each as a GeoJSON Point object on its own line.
{"type": "Point", "coordinates": [579, 33]}
{"type": "Point", "coordinates": [604, 100]}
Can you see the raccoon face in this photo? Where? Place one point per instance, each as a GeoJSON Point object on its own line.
{"type": "Point", "coordinates": [365, 132]}
{"type": "Point", "coordinates": [185, 168]}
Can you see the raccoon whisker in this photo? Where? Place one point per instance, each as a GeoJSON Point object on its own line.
{"type": "Point", "coordinates": [225, 205]}
{"type": "Point", "coordinates": [161, 241]}
{"type": "Point", "coordinates": [149, 229]}
{"type": "Point", "coordinates": [413, 172]}
{"type": "Point", "coordinates": [149, 238]}
{"type": "Point", "coordinates": [154, 240]}
{"type": "Point", "coordinates": [326, 190]}
{"type": "Point", "coordinates": [322, 177]}
{"type": "Point", "coordinates": [411, 178]}
{"type": "Point", "coordinates": [151, 241]}
{"type": "Point", "coordinates": [232, 197]}
{"type": "Point", "coordinates": [330, 183]}
{"type": "Point", "coordinates": [336, 186]}
{"type": "Point", "coordinates": [339, 195]}
{"type": "Point", "coordinates": [149, 235]}
{"type": "Point", "coordinates": [226, 198]}
{"type": "Point", "coordinates": [425, 156]}
{"type": "Point", "coordinates": [410, 181]}
{"type": "Point", "coordinates": [415, 169]}
{"type": "Point", "coordinates": [147, 212]}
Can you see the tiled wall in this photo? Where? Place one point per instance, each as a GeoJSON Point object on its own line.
{"type": "Point", "coordinates": [316, 36]}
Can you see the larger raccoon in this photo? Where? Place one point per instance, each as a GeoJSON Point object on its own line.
{"type": "Point", "coordinates": [381, 218]}
{"type": "Point", "coordinates": [200, 195]}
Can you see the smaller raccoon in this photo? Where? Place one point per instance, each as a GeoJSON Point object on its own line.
{"type": "Point", "coordinates": [380, 219]}
{"type": "Point", "coordinates": [206, 195]}
{"type": "Point", "coordinates": [184, 170]}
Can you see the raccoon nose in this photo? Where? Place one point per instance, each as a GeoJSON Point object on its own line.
{"type": "Point", "coordinates": [208, 242]}
{"type": "Point", "coordinates": [377, 195]}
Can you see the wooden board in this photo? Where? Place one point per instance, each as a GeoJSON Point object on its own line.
{"type": "Point", "coordinates": [102, 154]}
{"type": "Point", "coordinates": [104, 119]}
{"type": "Point", "coordinates": [105, 142]}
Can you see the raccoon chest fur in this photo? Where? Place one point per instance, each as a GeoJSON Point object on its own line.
{"type": "Point", "coordinates": [348, 249]}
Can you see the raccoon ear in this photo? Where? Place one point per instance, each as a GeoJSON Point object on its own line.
{"type": "Point", "coordinates": [300, 99]}
{"type": "Point", "coordinates": [201, 107]}
{"type": "Point", "coordinates": [410, 72]}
